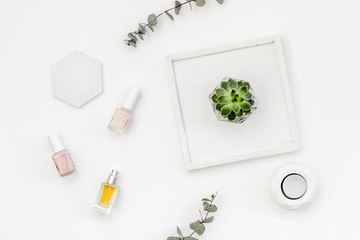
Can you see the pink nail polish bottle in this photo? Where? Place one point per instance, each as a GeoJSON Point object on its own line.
{"type": "Point", "coordinates": [61, 157]}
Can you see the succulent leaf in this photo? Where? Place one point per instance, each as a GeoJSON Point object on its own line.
{"type": "Point", "coordinates": [222, 92]}
{"type": "Point", "coordinates": [224, 99]}
{"type": "Point", "coordinates": [233, 85]}
{"type": "Point", "coordinates": [240, 83]}
{"type": "Point", "coordinates": [225, 110]}
{"type": "Point", "coordinates": [225, 86]}
{"type": "Point", "coordinates": [242, 91]}
{"type": "Point", "coordinates": [214, 98]}
{"type": "Point", "coordinates": [247, 96]}
{"type": "Point", "coordinates": [240, 113]}
{"type": "Point", "coordinates": [232, 116]}
{"type": "Point", "coordinates": [245, 106]}
{"type": "Point", "coordinates": [236, 107]}
{"type": "Point", "coordinates": [246, 84]}
{"type": "Point", "coordinates": [219, 106]}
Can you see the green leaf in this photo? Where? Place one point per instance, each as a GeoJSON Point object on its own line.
{"type": "Point", "coordinates": [232, 116]}
{"type": "Point", "coordinates": [152, 19]}
{"type": "Point", "coordinates": [247, 85]}
{"type": "Point", "coordinates": [209, 219]}
{"type": "Point", "coordinates": [224, 85]}
{"type": "Point", "coordinates": [198, 227]}
{"type": "Point", "coordinates": [224, 100]}
{"type": "Point", "coordinates": [189, 1]}
{"type": "Point", "coordinates": [242, 91]}
{"type": "Point", "coordinates": [247, 96]}
{"type": "Point", "coordinates": [179, 231]}
{"type": "Point", "coordinates": [151, 28]}
{"type": "Point", "coordinates": [245, 106]}
{"type": "Point", "coordinates": [206, 199]}
{"type": "Point", "coordinates": [240, 113]}
{"type": "Point", "coordinates": [206, 204]}
{"type": "Point", "coordinates": [233, 85]}
{"type": "Point", "coordinates": [219, 106]}
{"type": "Point", "coordinates": [220, 1]}
{"type": "Point", "coordinates": [222, 92]}
{"type": "Point", "coordinates": [240, 84]}
{"type": "Point", "coordinates": [200, 3]}
{"type": "Point", "coordinates": [169, 15]}
{"type": "Point", "coordinates": [141, 36]}
{"type": "Point", "coordinates": [190, 238]}
{"type": "Point", "coordinates": [173, 238]}
{"type": "Point", "coordinates": [236, 107]}
{"type": "Point", "coordinates": [177, 7]}
{"type": "Point", "coordinates": [211, 208]}
{"type": "Point", "coordinates": [214, 98]}
{"type": "Point", "coordinates": [225, 110]}
{"type": "Point", "coordinates": [132, 43]}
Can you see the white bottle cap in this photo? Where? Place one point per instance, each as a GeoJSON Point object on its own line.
{"type": "Point", "coordinates": [56, 142]}
{"type": "Point", "coordinates": [131, 100]}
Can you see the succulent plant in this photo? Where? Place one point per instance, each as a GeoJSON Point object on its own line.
{"type": "Point", "coordinates": [233, 100]}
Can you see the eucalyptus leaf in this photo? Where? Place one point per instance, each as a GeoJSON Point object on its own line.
{"type": "Point", "coordinates": [200, 3]}
{"type": "Point", "coordinates": [142, 29]}
{"type": "Point", "coordinates": [213, 208]}
{"type": "Point", "coordinates": [132, 37]}
{"type": "Point", "coordinates": [222, 92]}
{"type": "Point", "coordinates": [190, 238]}
{"type": "Point", "coordinates": [224, 100]}
{"type": "Point", "coordinates": [152, 20]}
{"type": "Point", "coordinates": [198, 227]}
{"type": "Point", "coordinates": [232, 116]}
{"type": "Point", "coordinates": [220, 1]}
{"type": "Point", "coordinates": [169, 15]}
{"type": "Point", "coordinates": [245, 106]}
{"type": "Point", "coordinates": [206, 199]}
{"type": "Point", "coordinates": [141, 36]}
{"type": "Point", "coordinates": [179, 231]}
{"type": "Point", "coordinates": [177, 7]}
{"type": "Point", "coordinates": [206, 204]}
{"type": "Point", "coordinates": [151, 28]}
{"type": "Point", "coordinates": [209, 219]}
{"type": "Point", "coordinates": [225, 110]}
{"type": "Point", "coordinates": [173, 238]}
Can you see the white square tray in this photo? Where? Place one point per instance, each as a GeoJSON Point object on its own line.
{"type": "Point", "coordinates": [270, 130]}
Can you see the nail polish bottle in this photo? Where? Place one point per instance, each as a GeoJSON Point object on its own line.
{"type": "Point", "coordinates": [122, 115]}
{"type": "Point", "coordinates": [61, 157]}
{"type": "Point", "coordinates": [107, 194]}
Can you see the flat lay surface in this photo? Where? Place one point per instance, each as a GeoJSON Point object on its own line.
{"type": "Point", "coordinates": [321, 48]}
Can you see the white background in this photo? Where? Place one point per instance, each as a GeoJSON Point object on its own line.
{"type": "Point", "coordinates": [321, 46]}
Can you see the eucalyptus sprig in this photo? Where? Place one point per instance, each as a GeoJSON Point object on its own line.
{"type": "Point", "coordinates": [198, 227]}
{"type": "Point", "coordinates": [152, 20]}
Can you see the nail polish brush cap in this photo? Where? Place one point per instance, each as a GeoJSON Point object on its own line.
{"type": "Point", "coordinates": [113, 178]}
{"type": "Point", "coordinates": [132, 98]}
{"type": "Point", "coordinates": [56, 142]}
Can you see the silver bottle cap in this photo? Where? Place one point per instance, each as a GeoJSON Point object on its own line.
{"type": "Point", "coordinates": [113, 178]}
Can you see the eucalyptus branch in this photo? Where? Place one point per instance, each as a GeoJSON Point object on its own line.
{"type": "Point", "coordinates": [153, 19]}
{"type": "Point", "coordinates": [198, 227]}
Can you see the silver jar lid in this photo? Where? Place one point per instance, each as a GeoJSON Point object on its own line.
{"type": "Point", "coordinates": [113, 178]}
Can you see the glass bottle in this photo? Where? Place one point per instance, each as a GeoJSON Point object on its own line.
{"type": "Point", "coordinates": [107, 193]}
{"type": "Point", "coordinates": [61, 157]}
{"type": "Point", "coordinates": [122, 116]}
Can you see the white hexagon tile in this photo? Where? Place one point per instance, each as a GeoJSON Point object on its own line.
{"type": "Point", "coordinates": [76, 79]}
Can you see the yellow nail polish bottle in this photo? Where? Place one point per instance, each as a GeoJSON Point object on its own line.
{"type": "Point", "coordinates": [107, 194]}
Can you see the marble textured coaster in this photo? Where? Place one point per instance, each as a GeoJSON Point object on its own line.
{"type": "Point", "coordinates": [76, 79]}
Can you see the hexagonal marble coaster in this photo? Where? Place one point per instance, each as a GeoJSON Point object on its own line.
{"type": "Point", "coordinates": [76, 79]}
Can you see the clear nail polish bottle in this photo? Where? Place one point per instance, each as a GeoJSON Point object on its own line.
{"type": "Point", "coordinates": [61, 157]}
{"type": "Point", "coordinates": [122, 115]}
{"type": "Point", "coordinates": [107, 194]}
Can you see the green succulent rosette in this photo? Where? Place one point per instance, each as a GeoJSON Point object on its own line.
{"type": "Point", "coordinates": [233, 100]}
